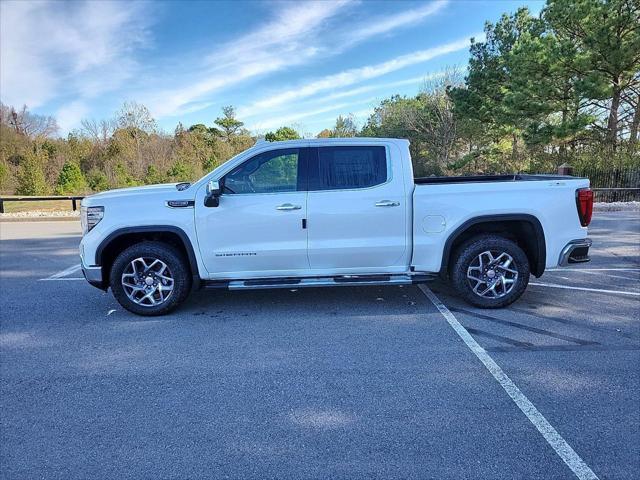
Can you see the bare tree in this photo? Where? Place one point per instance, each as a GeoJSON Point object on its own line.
{"type": "Point", "coordinates": [135, 116]}
{"type": "Point", "coordinates": [28, 124]}
{"type": "Point", "coordinates": [345, 126]}
{"type": "Point", "coordinates": [432, 117]}
{"type": "Point", "coordinates": [98, 131]}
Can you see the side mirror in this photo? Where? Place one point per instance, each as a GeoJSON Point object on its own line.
{"type": "Point", "coordinates": [213, 188]}
{"type": "Point", "coordinates": [213, 194]}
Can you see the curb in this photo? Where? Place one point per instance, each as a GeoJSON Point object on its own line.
{"type": "Point", "coordinates": [616, 207]}
{"type": "Point", "coordinates": [39, 219]}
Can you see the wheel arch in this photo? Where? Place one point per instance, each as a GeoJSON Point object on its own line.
{"type": "Point", "coordinates": [525, 229]}
{"type": "Point", "coordinates": [118, 240]}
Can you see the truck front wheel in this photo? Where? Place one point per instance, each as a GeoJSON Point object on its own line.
{"type": "Point", "coordinates": [490, 271]}
{"type": "Point", "coordinates": [150, 278]}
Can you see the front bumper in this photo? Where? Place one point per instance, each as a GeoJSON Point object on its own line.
{"type": "Point", "coordinates": [93, 275]}
{"type": "Point", "coordinates": [576, 251]}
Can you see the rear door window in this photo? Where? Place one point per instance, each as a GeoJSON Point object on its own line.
{"type": "Point", "coordinates": [348, 167]}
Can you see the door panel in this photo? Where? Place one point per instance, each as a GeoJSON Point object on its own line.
{"type": "Point", "coordinates": [257, 231]}
{"type": "Point", "coordinates": [250, 236]}
{"type": "Point", "coordinates": [353, 228]}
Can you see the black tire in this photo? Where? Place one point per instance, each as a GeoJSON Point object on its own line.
{"type": "Point", "coordinates": [174, 260]}
{"type": "Point", "coordinates": [467, 255]}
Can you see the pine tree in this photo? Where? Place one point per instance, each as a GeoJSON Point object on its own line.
{"type": "Point", "coordinates": [71, 180]}
{"type": "Point", "coordinates": [97, 180]}
{"type": "Point", "coordinates": [283, 133]}
{"type": "Point", "coordinates": [4, 175]}
{"type": "Point", "coordinates": [31, 178]}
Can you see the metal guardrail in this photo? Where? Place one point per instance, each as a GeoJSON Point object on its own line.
{"type": "Point", "coordinates": [612, 184]}
{"type": "Point", "coordinates": [616, 194]}
{"type": "Point", "coordinates": [602, 194]}
{"type": "Point", "coordinates": [74, 200]}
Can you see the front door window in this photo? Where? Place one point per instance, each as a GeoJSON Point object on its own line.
{"type": "Point", "coordinates": [269, 172]}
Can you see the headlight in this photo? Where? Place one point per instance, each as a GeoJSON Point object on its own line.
{"type": "Point", "coordinates": [90, 217]}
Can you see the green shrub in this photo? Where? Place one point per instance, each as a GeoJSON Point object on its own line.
{"type": "Point", "coordinates": [31, 178]}
{"type": "Point", "coordinates": [181, 171]}
{"type": "Point", "coordinates": [153, 175]}
{"type": "Point", "coordinates": [97, 181]}
{"type": "Point", "coordinates": [123, 177]}
{"type": "Point", "coordinates": [70, 180]}
{"type": "Point", "coordinates": [283, 133]}
{"type": "Point", "coordinates": [5, 175]}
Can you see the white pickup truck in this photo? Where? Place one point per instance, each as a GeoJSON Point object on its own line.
{"type": "Point", "coordinates": [331, 212]}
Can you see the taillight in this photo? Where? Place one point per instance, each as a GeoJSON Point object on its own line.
{"type": "Point", "coordinates": [584, 203]}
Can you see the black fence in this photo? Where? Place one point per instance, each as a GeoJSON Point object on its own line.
{"type": "Point", "coordinates": [608, 184]}
{"type": "Point", "coordinates": [73, 199]}
{"type": "Point", "coordinates": [612, 184]}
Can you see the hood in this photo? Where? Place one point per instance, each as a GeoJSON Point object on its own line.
{"type": "Point", "coordinates": [166, 189]}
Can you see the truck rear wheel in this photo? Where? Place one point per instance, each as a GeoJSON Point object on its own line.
{"type": "Point", "coordinates": [150, 278]}
{"type": "Point", "coordinates": [490, 271]}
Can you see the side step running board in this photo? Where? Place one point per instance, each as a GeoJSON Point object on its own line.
{"type": "Point", "coordinates": [337, 281]}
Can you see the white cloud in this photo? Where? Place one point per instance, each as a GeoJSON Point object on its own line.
{"type": "Point", "coordinates": [55, 52]}
{"type": "Point", "coordinates": [290, 118]}
{"type": "Point", "coordinates": [71, 114]}
{"type": "Point", "coordinates": [361, 115]}
{"type": "Point", "coordinates": [353, 76]}
{"type": "Point", "coordinates": [379, 86]}
{"type": "Point", "coordinates": [286, 33]}
{"type": "Point", "coordinates": [274, 122]}
{"type": "Point", "coordinates": [287, 40]}
{"type": "Point", "coordinates": [378, 26]}
{"type": "Point", "coordinates": [52, 50]}
{"type": "Point", "coordinates": [298, 34]}
{"type": "Point", "coordinates": [314, 107]}
{"type": "Point", "coordinates": [417, 81]}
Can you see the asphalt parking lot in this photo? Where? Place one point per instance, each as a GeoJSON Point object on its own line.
{"type": "Point", "coordinates": [318, 383]}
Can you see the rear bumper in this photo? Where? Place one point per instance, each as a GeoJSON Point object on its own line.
{"type": "Point", "coordinates": [93, 275]}
{"type": "Point", "coordinates": [576, 251]}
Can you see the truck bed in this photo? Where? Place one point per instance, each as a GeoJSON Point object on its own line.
{"type": "Point", "coordinates": [518, 177]}
{"type": "Point", "coordinates": [441, 205]}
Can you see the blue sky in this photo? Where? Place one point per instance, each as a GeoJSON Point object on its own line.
{"type": "Point", "coordinates": [297, 63]}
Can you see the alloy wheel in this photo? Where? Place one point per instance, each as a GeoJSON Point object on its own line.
{"type": "Point", "coordinates": [492, 274]}
{"type": "Point", "coordinates": [147, 282]}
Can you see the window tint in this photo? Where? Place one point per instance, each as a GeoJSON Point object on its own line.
{"type": "Point", "coordinates": [350, 167]}
{"type": "Point", "coordinates": [268, 172]}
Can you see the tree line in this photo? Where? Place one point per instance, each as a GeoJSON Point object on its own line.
{"type": "Point", "coordinates": [563, 87]}
{"type": "Point", "coordinates": [538, 91]}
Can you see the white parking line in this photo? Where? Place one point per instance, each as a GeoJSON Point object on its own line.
{"type": "Point", "coordinates": [602, 273]}
{"type": "Point", "coordinates": [60, 279]}
{"type": "Point", "coordinates": [550, 434]}
{"type": "Point", "coordinates": [627, 269]}
{"type": "Point", "coordinates": [63, 273]}
{"type": "Point", "coordinates": [599, 290]}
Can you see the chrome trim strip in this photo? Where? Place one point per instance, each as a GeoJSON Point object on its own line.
{"type": "Point", "coordinates": [322, 282]}
{"type": "Point", "coordinates": [563, 260]}
{"type": "Point", "coordinates": [184, 203]}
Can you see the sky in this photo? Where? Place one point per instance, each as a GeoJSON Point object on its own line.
{"type": "Point", "coordinates": [279, 63]}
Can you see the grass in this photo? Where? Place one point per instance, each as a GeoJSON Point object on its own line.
{"type": "Point", "coordinates": [44, 205]}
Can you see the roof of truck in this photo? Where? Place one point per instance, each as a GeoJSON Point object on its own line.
{"type": "Point", "coordinates": [332, 141]}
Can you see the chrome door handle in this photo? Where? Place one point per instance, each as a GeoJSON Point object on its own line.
{"type": "Point", "coordinates": [288, 206]}
{"type": "Point", "coordinates": [387, 203]}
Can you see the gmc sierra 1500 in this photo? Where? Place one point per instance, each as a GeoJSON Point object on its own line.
{"type": "Point", "coordinates": [331, 212]}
